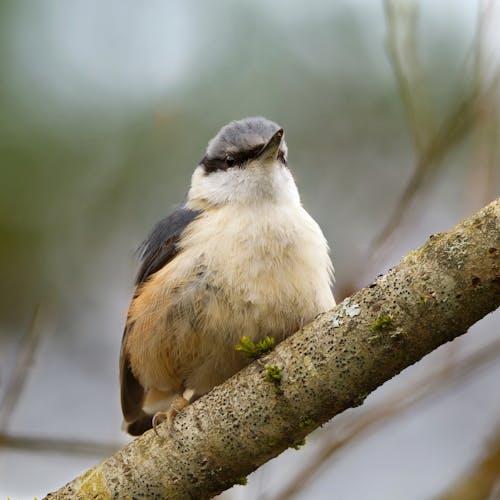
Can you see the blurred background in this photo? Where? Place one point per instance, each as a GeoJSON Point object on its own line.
{"type": "Point", "coordinates": [391, 116]}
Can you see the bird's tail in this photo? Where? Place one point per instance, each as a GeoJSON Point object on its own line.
{"type": "Point", "coordinates": [154, 401]}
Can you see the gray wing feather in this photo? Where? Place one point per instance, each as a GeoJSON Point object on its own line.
{"type": "Point", "coordinates": [158, 250]}
{"type": "Point", "coordinates": [161, 245]}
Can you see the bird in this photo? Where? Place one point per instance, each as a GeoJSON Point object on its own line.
{"type": "Point", "coordinates": [240, 257]}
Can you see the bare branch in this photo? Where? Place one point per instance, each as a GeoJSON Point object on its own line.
{"type": "Point", "coordinates": [434, 295]}
{"type": "Point", "coordinates": [381, 414]}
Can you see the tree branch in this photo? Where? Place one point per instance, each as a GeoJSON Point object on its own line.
{"type": "Point", "coordinates": [434, 295]}
{"type": "Point", "coordinates": [381, 413]}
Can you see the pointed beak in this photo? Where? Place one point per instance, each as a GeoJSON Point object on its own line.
{"type": "Point", "coordinates": [271, 149]}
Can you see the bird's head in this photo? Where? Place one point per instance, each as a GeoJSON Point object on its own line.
{"type": "Point", "coordinates": [245, 163]}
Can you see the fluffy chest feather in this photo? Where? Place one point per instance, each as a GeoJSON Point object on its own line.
{"type": "Point", "coordinates": [261, 269]}
{"type": "Point", "coordinates": [259, 273]}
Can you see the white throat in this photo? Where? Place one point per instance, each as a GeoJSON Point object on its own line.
{"type": "Point", "coordinates": [255, 184]}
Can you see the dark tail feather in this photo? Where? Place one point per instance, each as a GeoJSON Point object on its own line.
{"type": "Point", "coordinates": [139, 426]}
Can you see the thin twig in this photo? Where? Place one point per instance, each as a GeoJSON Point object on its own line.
{"type": "Point", "coordinates": [13, 392]}
{"type": "Point", "coordinates": [23, 363]}
{"type": "Point", "coordinates": [452, 131]}
{"type": "Point", "coordinates": [69, 446]}
{"type": "Point", "coordinates": [482, 481]}
{"type": "Point", "coordinates": [482, 170]}
{"type": "Point", "coordinates": [432, 144]}
{"type": "Point", "coordinates": [402, 21]}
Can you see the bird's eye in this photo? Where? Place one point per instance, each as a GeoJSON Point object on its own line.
{"type": "Point", "coordinates": [230, 160]}
{"type": "Point", "coordinates": [281, 157]}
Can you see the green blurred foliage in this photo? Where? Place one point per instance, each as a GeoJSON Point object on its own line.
{"type": "Point", "coordinates": [81, 166]}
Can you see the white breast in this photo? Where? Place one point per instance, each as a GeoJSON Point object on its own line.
{"type": "Point", "coordinates": [264, 269]}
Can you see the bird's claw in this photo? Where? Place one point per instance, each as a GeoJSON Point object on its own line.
{"type": "Point", "coordinates": [158, 418]}
{"type": "Point", "coordinates": [175, 407]}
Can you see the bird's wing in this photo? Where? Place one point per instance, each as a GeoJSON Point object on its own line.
{"type": "Point", "coordinates": [161, 245]}
{"type": "Point", "coordinates": [156, 252]}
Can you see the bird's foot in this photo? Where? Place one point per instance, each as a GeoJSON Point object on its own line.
{"type": "Point", "coordinates": [176, 406]}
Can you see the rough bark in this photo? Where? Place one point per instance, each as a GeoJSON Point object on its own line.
{"type": "Point", "coordinates": [434, 295]}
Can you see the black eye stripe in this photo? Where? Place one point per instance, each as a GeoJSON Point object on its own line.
{"type": "Point", "coordinates": [213, 164]}
{"type": "Point", "coordinates": [236, 159]}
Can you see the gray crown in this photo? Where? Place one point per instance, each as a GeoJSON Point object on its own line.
{"type": "Point", "coordinates": [241, 135]}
